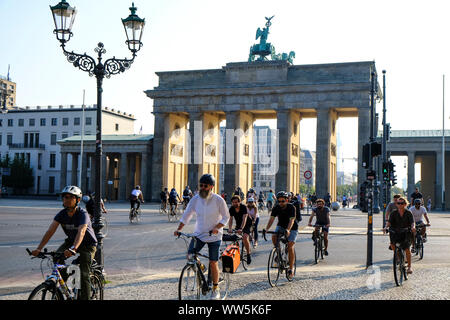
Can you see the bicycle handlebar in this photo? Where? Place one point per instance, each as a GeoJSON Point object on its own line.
{"type": "Point", "coordinates": [43, 255]}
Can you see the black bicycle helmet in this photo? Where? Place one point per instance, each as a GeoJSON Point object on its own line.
{"type": "Point", "coordinates": [282, 194]}
{"type": "Point", "coordinates": [208, 179]}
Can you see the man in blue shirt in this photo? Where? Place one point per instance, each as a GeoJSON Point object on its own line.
{"type": "Point", "coordinates": [81, 238]}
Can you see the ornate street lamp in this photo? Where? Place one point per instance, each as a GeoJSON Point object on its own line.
{"type": "Point", "coordinates": [64, 16]}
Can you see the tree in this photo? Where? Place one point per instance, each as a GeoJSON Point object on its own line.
{"type": "Point", "coordinates": [305, 189]}
{"type": "Point", "coordinates": [21, 177]}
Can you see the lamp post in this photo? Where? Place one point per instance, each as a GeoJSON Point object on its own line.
{"type": "Point", "coordinates": [64, 16]}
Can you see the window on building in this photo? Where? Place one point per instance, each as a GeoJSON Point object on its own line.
{"type": "Point", "coordinates": [31, 122]}
{"type": "Point", "coordinates": [88, 121]}
{"type": "Point", "coordinates": [65, 121]}
{"type": "Point", "coordinates": [39, 161]}
{"type": "Point", "coordinates": [76, 133]}
{"type": "Point", "coordinates": [117, 127]}
{"type": "Point", "coordinates": [76, 121]}
{"type": "Point", "coordinates": [1, 122]}
{"type": "Point", "coordinates": [10, 122]}
{"type": "Point", "coordinates": [53, 139]}
{"type": "Point", "coordinates": [21, 121]}
{"type": "Point", "coordinates": [42, 122]}
{"type": "Point", "coordinates": [64, 135]}
{"type": "Point", "coordinates": [54, 122]}
{"type": "Point", "coordinates": [52, 160]}
{"type": "Point", "coordinates": [51, 184]}
{"type": "Point", "coordinates": [28, 158]}
{"type": "Point", "coordinates": [25, 140]}
{"type": "Point", "coordinates": [1, 140]}
{"type": "Point", "coordinates": [9, 139]}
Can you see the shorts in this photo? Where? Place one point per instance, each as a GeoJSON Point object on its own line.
{"type": "Point", "coordinates": [173, 201]}
{"type": "Point", "coordinates": [213, 248]}
{"type": "Point", "coordinates": [323, 226]}
{"type": "Point", "coordinates": [292, 236]}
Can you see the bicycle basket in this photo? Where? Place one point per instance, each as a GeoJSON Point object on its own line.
{"type": "Point", "coordinates": [231, 258]}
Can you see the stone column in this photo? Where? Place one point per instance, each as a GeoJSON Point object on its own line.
{"type": "Point", "coordinates": [282, 177]}
{"type": "Point", "coordinates": [326, 153]}
{"type": "Point", "coordinates": [144, 174]}
{"type": "Point", "coordinates": [232, 120]}
{"type": "Point", "coordinates": [83, 182]}
{"type": "Point", "coordinates": [74, 173]}
{"type": "Point", "coordinates": [63, 173]}
{"type": "Point", "coordinates": [363, 138]}
{"type": "Point", "coordinates": [133, 171]}
{"type": "Point", "coordinates": [195, 154]}
{"type": "Point", "coordinates": [159, 149]}
{"type": "Point", "coordinates": [411, 173]}
{"type": "Point", "coordinates": [123, 176]}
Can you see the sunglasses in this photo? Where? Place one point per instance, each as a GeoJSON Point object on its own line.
{"type": "Point", "coordinates": [202, 185]}
{"type": "Point", "coordinates": [282, 201]}
{"type": "Point", "coordinates": [401, 203]}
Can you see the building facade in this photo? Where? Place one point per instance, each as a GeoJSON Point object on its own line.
{"type": "Point", "coordinates": [7, 93]}
{"type": "Point", "coordinates": [32, 133]}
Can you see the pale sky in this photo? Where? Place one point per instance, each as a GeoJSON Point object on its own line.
{"type": "Point", "coordinates": [408, 39]}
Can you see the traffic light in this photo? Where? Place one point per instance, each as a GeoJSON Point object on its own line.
{"type": "Point", "coordinates": [388, 132]}
{"type": "Point", "coordinates": [386, 166]}
{"type": "Point", "coordinates": [392, 176]}
{"type": "Point", "coordinates": [363, 205]}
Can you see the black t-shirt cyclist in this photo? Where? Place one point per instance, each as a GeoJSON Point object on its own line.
{"type": "Point", "coordinates": [285, 215]}
{"type": "Point", "coordinates": [239, 216]}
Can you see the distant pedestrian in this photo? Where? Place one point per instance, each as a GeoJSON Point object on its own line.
{"type": "Point", "coordinates": [429, 204]}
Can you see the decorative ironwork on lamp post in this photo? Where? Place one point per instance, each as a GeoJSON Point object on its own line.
{"type": "Point", "coordinates": [64, 17]}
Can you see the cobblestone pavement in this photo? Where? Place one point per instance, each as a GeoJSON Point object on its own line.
{"type": "Point", "coordinates": [144, 262]}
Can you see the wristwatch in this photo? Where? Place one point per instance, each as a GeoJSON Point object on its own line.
{"type": "Point", "coordinates": [72, 249]}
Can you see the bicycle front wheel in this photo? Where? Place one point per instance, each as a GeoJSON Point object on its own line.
{"type": "Point", "coordinates": [420, 250]}
{"type": "Point", "coordinates": [244, 254]}
{"type": "Point", "coordinates": [398, 265]}
{"type": "Point", "coordinates": [46, 291]}
{"type": "Point", "coordinates": [316, 250]}
{"type": "Point", "coordinates": [189, 284]}
{"type": "Point", "coordinates": [96, 288]}
{"type": "Point", "coordinates": [132, 214]}
{"type": "Point", "coordinates": [274, 267]}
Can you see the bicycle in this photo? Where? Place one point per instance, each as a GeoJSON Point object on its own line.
{"type": "Point", "coordinates": [269, 206]}
{"type": "Point", "coordinates": [261, 206]}
{"type": "Point", "coordinates": [319, 243]}
{"type": "Point", "coordinates": [192, 284]}
{"type": "Point", "coordinates": [418, 241]}
{"type": "Point", "coordinates": [135, 213]}
{"type": "Point", "coordinates": [243, 251]}
{"type": "Point", "coordinates": [163, 207]}
{"type": "Point", "coordinates": [399, 260]}
{"type": "Point", "coordinates": [174, 213]}
{"type": "Point", "coordinates": [56, 288]}
{"type": "Point", "coordinates": [279, 259]}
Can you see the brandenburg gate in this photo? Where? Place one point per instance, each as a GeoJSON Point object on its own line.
{"type": "Point", "coordinates": [190, 105]}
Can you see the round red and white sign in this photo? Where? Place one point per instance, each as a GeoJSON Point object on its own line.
{"type": "Point", "coordinates": [308, 174]}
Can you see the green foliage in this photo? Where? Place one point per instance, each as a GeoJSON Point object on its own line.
{"type": "Point", "coordinates": [21, 177]}
{"type": "Point", "coordinates": [396, 190]}
{"type": "Point", "coordinates": [347, 189]}
{"type": "Point", "coordinates": [305, 190]}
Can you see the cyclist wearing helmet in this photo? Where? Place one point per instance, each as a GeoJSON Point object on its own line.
{"type": "Point", "coordinates": [212, 215]}
{"type": "Point", "coordinates": [90, 204]}
{"type": "Point", "coordinates": [418, 211]}
{"type": "Point", "coordinates": [81, 238]}
{"type": "Point", "coordinates": [187, 195]}
{"type": "Point", "coordinates": [270, 200]}
{"type": "Point", "coordinates": [286, 222]}
{"type": "Point", "coordinates": [173, 196]}
{"type": "Point", "coordinates": [136, 197]}
{"type": "Point", "coordinates": [323, 220]}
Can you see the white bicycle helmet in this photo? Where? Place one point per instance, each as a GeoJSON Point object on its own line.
{"type": "Point", "coordinates": [73, 190]}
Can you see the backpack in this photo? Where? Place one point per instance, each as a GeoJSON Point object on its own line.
{"type": "Point", "coordinates": [231, 258]}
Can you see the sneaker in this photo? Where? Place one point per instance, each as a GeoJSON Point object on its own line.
{"type": "Point", "coordinates": [255, 245]}
{"type": "Point", "coordinates": [390, 248]}
{"type": "Point", "coordinates": [325, 252]}
{"type": "Point", "coordinates": [413, 250]}
{"type": "Point", "coordinates": [249, 259]}
{"type": "Point", "coordinates": [215, 294]}
{"type": "Point", "coordinates": [290, 274]}
{"type": "Point", "coordinates": [424, 240]}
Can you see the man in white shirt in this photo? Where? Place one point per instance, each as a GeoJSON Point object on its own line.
{"type": "Point", "coordinates": [418, 211]}
{"type": "Point", "coordinates": [136, 197]}
{"type": "Point", "coordinates": [212, 215]}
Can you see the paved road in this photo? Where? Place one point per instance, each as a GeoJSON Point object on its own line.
{"type": "Point", "coordinates": [143, 261]}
